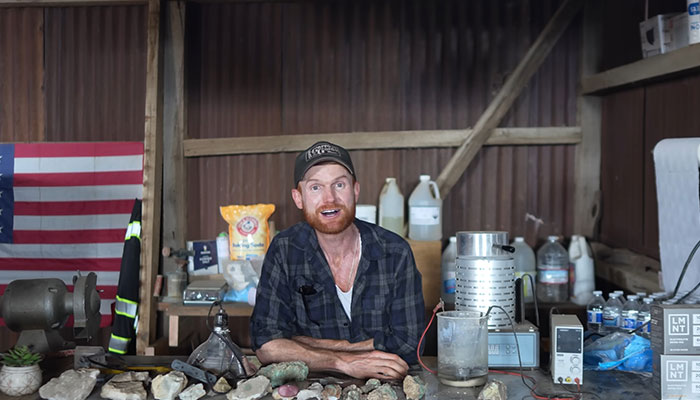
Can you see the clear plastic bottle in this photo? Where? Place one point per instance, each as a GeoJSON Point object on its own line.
{"type": "Point", "coordinates": [640, 296]}
{"type": "Point", "coordinates": [524, 259]}
{"type": "Point", "coordinates": [594, 309]}
{"type": "Point", "coordinates": [391, 206]}
{"type": "Point", "coordinates": [552, 272]}
{"type": "Point", "coordinates": [630, 310]}
{"type": "Point", "coordinates": [622, 299]}
{"type": "Point", "coordinates": [449, 258]}
{"type": "Point", "coordinates": [645, 316]}
{"type": "Point", "coordinates": [425, 211]}
{"type": "Point", "coordinates": [611, 313]}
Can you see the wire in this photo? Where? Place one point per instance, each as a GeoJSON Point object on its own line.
{"type": "Point", "coordinates": [439, 305]}
{"type": "Point", "coordinates": [685, 268]}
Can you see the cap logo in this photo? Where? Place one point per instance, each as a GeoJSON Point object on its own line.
{"type": "Point", "coordinates": [321, 150]}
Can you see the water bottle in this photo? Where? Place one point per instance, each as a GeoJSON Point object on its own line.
{"type": "Point", "coordinates": [524, 259]}
{"type": "Point", "coordinates": [594, 309]}
{"type": "Point", "coordinates": [449, 256]}
{"type": "Point", "coordinates": [583, 277]}
{"type": "Point", "coordinates": [622, 296]}
{"type": "Point", "coordinates": [611, 313]}
{"type": "Point", "coordinates": [391, 206]}
{"type": "Point", "coordinates": [630, 310]}
{"type": "Point", "coordinates": [693, 7]}
{"type": "Point", "coordinates": [425, 211]}
{"type": "Point", "coordinates": [640, 296]}
{"type": "Point", "coordinates": [645, 316]}
{"type": "Point", "coordinates": [552, 272]}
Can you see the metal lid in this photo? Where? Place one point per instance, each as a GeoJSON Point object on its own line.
{"type": "Point", "coordinates": [481, 244]}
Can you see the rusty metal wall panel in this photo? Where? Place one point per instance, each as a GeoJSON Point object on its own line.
{"type": "Point", "coordinates": [22, 112]}
{"type": "Point", "coordinates": [259, 69]}
{"type": "Point", "coordinates": [95, 73]}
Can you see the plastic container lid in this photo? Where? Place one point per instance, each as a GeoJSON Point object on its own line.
{"type": "Point", "coordinates": [553, 238]}
{"type": "Point", "coordinates": [519, 239]}
{"type": "Point", "coordinates": [597, 292]}
{"type": "Point", "coordinates": [425, 177]}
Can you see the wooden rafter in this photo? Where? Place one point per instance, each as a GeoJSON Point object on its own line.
{"type": "Point", "coordinates": [499, 106]}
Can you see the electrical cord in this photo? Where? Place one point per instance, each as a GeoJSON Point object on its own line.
{"type": "Point", "coordinates": [685, 268]}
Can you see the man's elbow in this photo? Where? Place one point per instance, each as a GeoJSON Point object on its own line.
{"type": "Point", "coordinates": [265, 353]}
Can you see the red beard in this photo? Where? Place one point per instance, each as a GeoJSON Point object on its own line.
{"type": "Point", "coordinates": [336, 225]}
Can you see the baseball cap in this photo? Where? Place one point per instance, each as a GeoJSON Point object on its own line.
{"type": "Point", "coordinates": [321, 152]}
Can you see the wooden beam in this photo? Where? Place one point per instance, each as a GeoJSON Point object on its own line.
{"type": "Point", "coordinates": [152, 180]}
{"type": "Point", "coordinates": [686, 59]}
{"type": "Point", "coordinates": [378, 140]}
{"type": "Point", "coordinates": [174, 130]}
{"type": "Point", "coordinates": [67, 3]}
{"type": "Point", "coordinates": [587, 171]}
{"type": "Point", "coordinates": [510, 91]}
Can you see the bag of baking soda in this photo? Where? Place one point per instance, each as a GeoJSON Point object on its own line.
{"type": "Point", "coordinates": [248, 231]}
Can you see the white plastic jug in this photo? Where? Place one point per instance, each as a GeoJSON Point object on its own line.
{"type": "Point", "coordinates": [584, 273]}
{"type": "Point", "coordinates": [425, 211]}
{"type": "Point", "coordinates": [391, 205]}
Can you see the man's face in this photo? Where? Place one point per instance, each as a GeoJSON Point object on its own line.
{"type": "Point", "coordinates": [327, 195]}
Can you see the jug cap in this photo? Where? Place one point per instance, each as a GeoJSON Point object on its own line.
{"type": "Point", "coordinates": [425, 177]}
{"type": "Point", "coordinates": [553, 238]}
{"type": "Point", "coordinates": [519, 239]}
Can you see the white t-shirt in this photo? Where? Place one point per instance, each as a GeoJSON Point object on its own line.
{"type": "Point", "coordinates": [346, 297]}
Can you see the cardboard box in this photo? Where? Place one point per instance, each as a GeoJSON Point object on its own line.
{"type": "Point", "coordinates": [677, 376]}
{"type": "Point", "coordinates": [663, 33]}
{"type": "Point", "coordinates": [675, 329]}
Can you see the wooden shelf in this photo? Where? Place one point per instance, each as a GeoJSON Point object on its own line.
{"type": "Point", "coordinates": [653, 68]}
{"type": "Point", "coordinates": [177, 310]}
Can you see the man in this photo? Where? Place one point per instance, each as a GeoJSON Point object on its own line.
{"type": "Point", "coordinates": [338, 293]}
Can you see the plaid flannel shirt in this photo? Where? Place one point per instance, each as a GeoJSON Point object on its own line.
{"type": "Point", "coordinates": [296, 295]}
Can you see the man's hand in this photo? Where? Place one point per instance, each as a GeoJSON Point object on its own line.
{"type": "Point", "coordinates": [373, 364]}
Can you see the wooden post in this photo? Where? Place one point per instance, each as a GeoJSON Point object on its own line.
{"type": "Point", "coordinates": [587, 181]}
{"type": "Point", "coordinates": [152, 180]}
{"type": "Point", "coordinates": [510, 91]}
{"type": "Point", "coordinates": [174, 129]}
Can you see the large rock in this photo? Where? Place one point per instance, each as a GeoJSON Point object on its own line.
{"type": "Point", "coordinates": [71, 385]}
{"type": "Point", "coordinates": [383, 392]}
{"type": "Point", "coordinates": [413, 387]}
{"type": "Point", "coordinates": [281, 373]}
{"type": "Point", "coordinates": [193, 392]}
{"type": "Point", "coordinates": [126, 386]}
{"type": "Point", "coordinates": [168, 386]}
{"type": "Point", "coordinates": [251, 389]}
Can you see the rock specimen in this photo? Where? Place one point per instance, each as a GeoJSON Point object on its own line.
{"type": "Point", "coordinates": [250, 389]}
{"type": "Point", "coordinates": [494, 390]}
{"type": "Point", "coordinates": [331, 392]}
{"type": "Point", "coordinates": [283, 372]}
{"type": "Point", "coordinates": [311, 392]}
{"type": "Point", "coordinates": [126, 386]}
{"type": "Point", "coordinates": [383, 392]}
{"type": "Point", "coordinates": [370, 385]}
{"type": "Point", "coordinates": [413, 387]}
{"type": "Point", "coordinates": [351, 392]}
{"type": "Point", "coordinates": [285, 392]}
{"type": "Point", "coordinates": [193, 392]}
{"type": "Point", "coordinates": [168, 386]}
{"type": "Point", "coordinates": [71, 385]}
{"type": "Point", "coordinates": [221, 386]}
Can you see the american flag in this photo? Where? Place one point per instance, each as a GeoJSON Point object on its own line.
{"type": "Point", "coordinates": [65, 207]}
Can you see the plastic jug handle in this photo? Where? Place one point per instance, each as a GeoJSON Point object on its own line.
{"type": "Point", "coordinates": [435, 188]}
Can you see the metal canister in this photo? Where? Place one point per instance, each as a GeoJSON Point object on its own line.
{"type": "Point", "coordinates": [485, 276]}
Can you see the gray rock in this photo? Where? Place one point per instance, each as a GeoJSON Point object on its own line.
{"type": "Point", "coordinates": [383, 392]}
{"type": "Point", "coordinates": [127, 390]}
{"type": "Point", "coordinates": [168, 386]}
{"type": "Point", "coordinates": [351, 392]}
{"type": "Point", "coordinates": [331, 392]}
{"type": "Point", "coordinates": [311, 392]}
{"type": "Point", "coordinates": [250, 389]}
{"type": "Point", "coordinates": [222, 386]}
{"type": "Point", "coordinates": [370, 385]}
{"type": "Point", "coordinates": [71, 385]}
{"type": "Point", "coordinates": [494, 390]}
{"type": "Point", "coordinates": [413, 387]}
{"type": "Point", "coordinates": [193, 392]}
{"type": "Point", "coordinates": [130, 376]}
{"type": "Point", "coordinates": [281, 373]}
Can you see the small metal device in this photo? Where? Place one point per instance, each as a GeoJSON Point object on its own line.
{"type": "Point", "coordinates": [503, 351]}
{"type": "Point", "coordinates": [204, 292]}
{"type": "Point", "coordinates": [567, 349]}
{"type": "Point", "coordinates": [193, 372]}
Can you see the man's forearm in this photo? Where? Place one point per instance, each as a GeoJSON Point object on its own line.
{"type": "Point", "coordinates": [335, 345]}
{"type": "Point", "coordinates": [280, 350]}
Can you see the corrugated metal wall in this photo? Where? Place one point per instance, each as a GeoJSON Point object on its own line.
{"type": "Point", "coordinates": [259, 69]}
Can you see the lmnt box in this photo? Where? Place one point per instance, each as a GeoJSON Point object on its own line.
{"type": "Point", "coordinates": [677, 377]}
{"type": "Point", "coordinates": [675, 329]}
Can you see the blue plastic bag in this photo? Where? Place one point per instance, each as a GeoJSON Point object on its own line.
{"type": "Point", "coordinates": [621, 351]}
